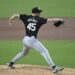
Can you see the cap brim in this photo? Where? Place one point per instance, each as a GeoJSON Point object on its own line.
{"type": "Point", "coordinates": [40, 11]}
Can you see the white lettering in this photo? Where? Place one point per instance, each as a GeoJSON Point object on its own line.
{"type": "Point", "coordinates": [33, 20]}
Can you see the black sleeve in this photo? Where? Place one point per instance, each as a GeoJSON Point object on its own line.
{"type": "Point", "coordinates": [43, 21]}
{"type": "Point", "coordinates": [23, 17]}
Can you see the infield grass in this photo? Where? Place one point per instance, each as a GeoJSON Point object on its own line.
{"type": "Point", "coordinates": [52, 8]}
{"type": "Point", "coordinates": [62, 53]}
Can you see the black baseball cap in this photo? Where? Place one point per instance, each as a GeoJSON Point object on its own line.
{"type": "Point", "coordinates": [36, 10]}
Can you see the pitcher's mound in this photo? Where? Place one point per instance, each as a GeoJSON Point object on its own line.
{"type": "Point", "coordinates": [33, 70]}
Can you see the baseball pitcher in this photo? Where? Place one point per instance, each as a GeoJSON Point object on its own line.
{"type": "Point", "coordinates": [32, 25]}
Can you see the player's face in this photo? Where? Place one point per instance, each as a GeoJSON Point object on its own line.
{"type": "Point", "coordinates": [38, 14]}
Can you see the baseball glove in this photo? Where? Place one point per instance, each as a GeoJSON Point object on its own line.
{"type": "Point", "coordinates": [58, 23]}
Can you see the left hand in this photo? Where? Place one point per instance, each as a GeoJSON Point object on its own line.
{"type": "Point", "coordinates": [58, 22]}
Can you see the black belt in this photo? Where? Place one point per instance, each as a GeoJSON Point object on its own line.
{"type": "Point", "coordinates": [31, 36]}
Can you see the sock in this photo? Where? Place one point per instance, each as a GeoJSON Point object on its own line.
{"type": "Point", "coordinates": [53, 67]}
{"type": "Point", "coordinates": [12, 63]}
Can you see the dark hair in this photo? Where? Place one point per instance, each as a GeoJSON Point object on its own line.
{"type": "Point", "coordinates": [36, 10]}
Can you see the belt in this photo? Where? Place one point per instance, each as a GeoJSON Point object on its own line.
{"type": "Point", "coordinates": [31, 36]}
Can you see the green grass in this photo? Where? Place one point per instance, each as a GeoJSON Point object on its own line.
{"type": "Point", "coordinates": [52, 8]}
{"type": "Point", "coordinates": [62, 53]}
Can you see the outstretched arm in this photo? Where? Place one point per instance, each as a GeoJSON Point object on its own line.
{"type": "Point", "coordinates": [13, 17]}
{"type": "Point", "coordinates": [54, 20]}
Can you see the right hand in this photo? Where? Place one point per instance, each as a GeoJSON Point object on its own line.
{"type": "Point", "coordinates": [10, 22]}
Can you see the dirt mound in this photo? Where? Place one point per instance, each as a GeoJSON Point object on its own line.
{"type": "Point", "coordinates": [33, 70]}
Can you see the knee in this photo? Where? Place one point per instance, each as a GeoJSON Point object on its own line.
{"type": "Point", "coordinates": [25, 53]}
{"type": "Point", "coordinates": [47, 51]}
{"type": "Point", "coordinates": [44, 52]}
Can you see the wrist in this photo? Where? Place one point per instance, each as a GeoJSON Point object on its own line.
{"type": "Point", "coordinates": [56, 19]}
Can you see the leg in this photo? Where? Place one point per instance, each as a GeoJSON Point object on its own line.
{"type": "Point", "coordinates": [22, 54]}
{"type": "Point", "coordinates": [19, 56]}
{"type": "Point", "coordinates": [44, 52]}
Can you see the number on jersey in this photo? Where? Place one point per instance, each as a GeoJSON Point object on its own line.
{"type": "Point", "coordinates": [31, 26]}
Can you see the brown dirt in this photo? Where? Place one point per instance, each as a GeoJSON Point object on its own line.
{"type": "Point", "coordinates": [47, 32]}
{"type": "Point", "coordinates": [33, 70]}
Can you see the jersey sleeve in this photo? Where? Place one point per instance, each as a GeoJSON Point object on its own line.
{"type": "Point", "coordinates": [43, 21]}
{"type": "Point", "coordinates": [23, 17]}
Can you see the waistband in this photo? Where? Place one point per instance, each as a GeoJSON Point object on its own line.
{"type": "Point", "coordinates": [31, 36]}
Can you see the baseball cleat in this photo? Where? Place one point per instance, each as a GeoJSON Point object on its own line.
{"type": "Point", "coordinates": [56, 69]}
{"type": "Point", "coordinates": [11, 66]}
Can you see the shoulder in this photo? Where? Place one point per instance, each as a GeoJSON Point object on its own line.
{"type": "Point", "coordinates": [42, 18]}
{"type": "Point", "coordinates": [23, 16]}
